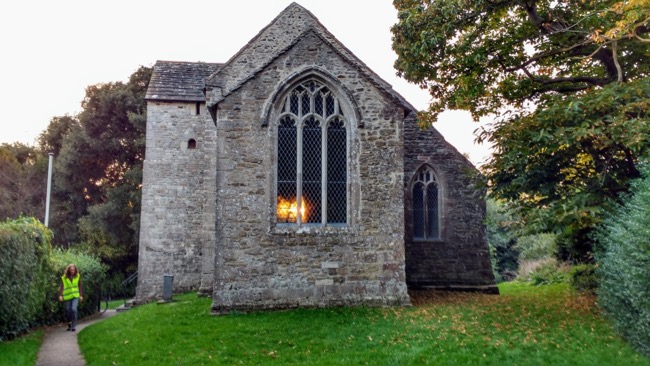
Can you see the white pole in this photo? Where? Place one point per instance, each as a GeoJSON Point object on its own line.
{"type": "Point", "coordinates": [49, 189]}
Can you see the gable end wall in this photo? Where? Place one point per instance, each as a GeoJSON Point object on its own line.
{"type": "Point", "coordinates": [460, 259]}
{"type": "Point", "coordinates": [260, 266]}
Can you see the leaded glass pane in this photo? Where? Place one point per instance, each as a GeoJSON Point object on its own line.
{"type": "Point", "coordinates": [287, 170]}
{"type": "Point", "coordinates": [312, 175]}
{"type": "Point", "coordinates": [318, 103]}
{"type": "Point", "coordinates": [418, 210]}
{"type": "Point", "coordinates": [306, 109]}
{"type": "Point", "coordinates": [311, 102]}
{"type": "Point", "coordinates": [329, 105]}
{"type": "Point", "coordinates": [336, 172]}
{"type": "Point", "coordinates": [293, 102]}
{"type": "Point", "coordinates": [433, 231]}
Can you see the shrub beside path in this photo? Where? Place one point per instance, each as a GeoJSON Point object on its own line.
{"type": "Point", "coordinates": [60, 347]}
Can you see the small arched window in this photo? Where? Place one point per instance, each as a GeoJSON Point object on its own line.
{"type": "Point", "coordinates": [312, 173]}
{"type": "Point", "coordinates": [426, 205]}
{"type": "Point", "coordinates": [191, 144]}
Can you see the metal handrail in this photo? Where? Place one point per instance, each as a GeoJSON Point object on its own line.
{"type": "Point", "coordinates": [128, 281]}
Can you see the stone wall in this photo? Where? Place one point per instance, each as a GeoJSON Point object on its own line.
{"type": "Point", "coordinates": [178, 208]}
{"type": "Point", "coordinates": [263, 266]}
{"type": "Point", "coordinates": [460, 259]}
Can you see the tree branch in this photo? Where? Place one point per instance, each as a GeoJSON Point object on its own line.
{"type": "Point", "coordinates": [576, 79]}
{"type": "Point", "coordinates": [603, 55]}
{"type": "Point", "coordinates": [542, 55]}
{"type": "Point", "coordinates": [531, 10]}
{"type": "Point", "coordinates": [619, 71]}
{"type": "Point", "coordinates": [644, 30]}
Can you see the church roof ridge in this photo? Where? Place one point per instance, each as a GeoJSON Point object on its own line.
{"type": "Point", "coordinates": [294, 6]}
{"type": "Point", "coordinates": [228, 83]}
{"type": "Point", "coordinates": [190, 62]}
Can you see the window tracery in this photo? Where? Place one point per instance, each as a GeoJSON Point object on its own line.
{"type": "Point", "coordinates": [426, 208]}
{"type": "Point", "coordinates": [312, 157]}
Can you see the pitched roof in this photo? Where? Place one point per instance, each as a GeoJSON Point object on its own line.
{"type": "Point", "coordinates": [179, 81]}
{"type": "Point", "coordinates": [291, 25]}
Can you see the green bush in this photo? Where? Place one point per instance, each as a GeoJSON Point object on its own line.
{"type": "Point", "coordinates": [30, 275]}
{"type": "Point", "coordinates": [624, 289]}
{"type": "Point", "coordinates": [583, 277]}
{"type": "Point", "coordinates": [501, 240]}
{"type": "Point", "coordinates": [537, 246]}
{"type": "Point", "coordinates": [549, 272]}
{"type": "Point", "coordinates": [25, 247]}
{"type": "Point", "coordinates": [92, 272]}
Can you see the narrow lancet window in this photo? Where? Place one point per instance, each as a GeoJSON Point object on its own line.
{"type": "Point", "coordinates": [426, 208]}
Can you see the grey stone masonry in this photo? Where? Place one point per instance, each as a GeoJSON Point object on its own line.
{"type": "Point", "coordinates": [210, 187]}
{"type": "Point", "coordinates": [261, 265]}
{"type": "Point", "coordinates": [177, 222]}
{"type": "Point", "coordinates": [459, 259]}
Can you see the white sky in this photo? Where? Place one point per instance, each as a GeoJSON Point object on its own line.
{"type": "Point", "coordinates": [52, 50]}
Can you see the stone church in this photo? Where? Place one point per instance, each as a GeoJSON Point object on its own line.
{"type": "Point", "coordinates": [292, 175]}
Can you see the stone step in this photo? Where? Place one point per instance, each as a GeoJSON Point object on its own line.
{"type": "Point", "coordinates": [128, 304]}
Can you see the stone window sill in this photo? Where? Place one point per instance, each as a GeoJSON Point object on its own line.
{"type": "Point", "coordinates": [308, 230]}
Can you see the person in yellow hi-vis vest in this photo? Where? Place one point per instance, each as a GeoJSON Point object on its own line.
{"type": "Point", "coordinates": [71, 292]}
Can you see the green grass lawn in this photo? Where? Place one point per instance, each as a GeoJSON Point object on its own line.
{"type": "Point", "coordinates": [21, 351]}
{"type": "Point", "coordinates": [525, 325]}
{"type": "Point", "coordinates": [114, 304]}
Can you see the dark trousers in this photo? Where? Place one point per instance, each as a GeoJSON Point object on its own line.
{"type": "Point", "coordinates": [71, 312]}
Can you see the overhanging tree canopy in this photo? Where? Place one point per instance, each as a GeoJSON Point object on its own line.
{"type": "Point", "coordinates": [482, 55]}
{"type": "Point", "coordinates": [568, 79]}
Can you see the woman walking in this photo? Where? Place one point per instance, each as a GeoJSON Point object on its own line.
{"type": "Point", "coordinates": [71, 292]}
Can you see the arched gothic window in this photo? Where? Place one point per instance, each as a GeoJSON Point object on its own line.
{"type": "Point", "coordinates": [312, 157]}
{"type": "Point", "coordinates": [426, 210]}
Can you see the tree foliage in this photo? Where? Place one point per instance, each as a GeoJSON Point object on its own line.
{"type": "Point", "coordinates": [569, 83]}
{"type": "Point", "coordinates": [23, 172]}
{"type": "Point", "coordinates": [51, 140]}
{"type": "Point", "coordinates": [570, 157]}
{"type": "Point", "coordinates": [99, 170]}
{"type": "Point", "coordinates": [95, 205]}
{"type": "Point", "coordinates": [502, 240]}
{"type": "Point", "coordinates": [482, 55]}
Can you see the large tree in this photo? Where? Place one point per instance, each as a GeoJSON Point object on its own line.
{"type": "Point", "coordinates": [98, 170]}
{"type": "Point", "coordinates": [568, 81]}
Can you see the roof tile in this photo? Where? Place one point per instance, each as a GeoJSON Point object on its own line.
{"type": "Point", "coordinates": [179, 81]}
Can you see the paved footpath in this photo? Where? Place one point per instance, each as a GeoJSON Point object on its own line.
{"type": "Point", "coordinates": [60, 347]}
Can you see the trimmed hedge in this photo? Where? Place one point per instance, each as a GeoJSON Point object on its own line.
{"type": "Point", "coordinates": [25, 247]}
{"type": "Point", "coordinates": [624, 272]}
{"type": "Point", "coordinates": [30, 274]}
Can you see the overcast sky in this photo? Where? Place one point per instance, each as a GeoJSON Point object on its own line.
{"type": "Point", "coordinates": [52, 50]}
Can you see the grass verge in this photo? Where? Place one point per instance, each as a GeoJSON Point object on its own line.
{"type": "Point", "coordinates": [525, 325]}
{"type": "Point", "coordinates": [21, 351]}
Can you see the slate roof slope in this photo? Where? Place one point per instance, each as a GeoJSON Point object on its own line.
{"type": "Point", "coordinates": [179, 81]}
{"type": "Point", "coordinates": [292, 24]}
